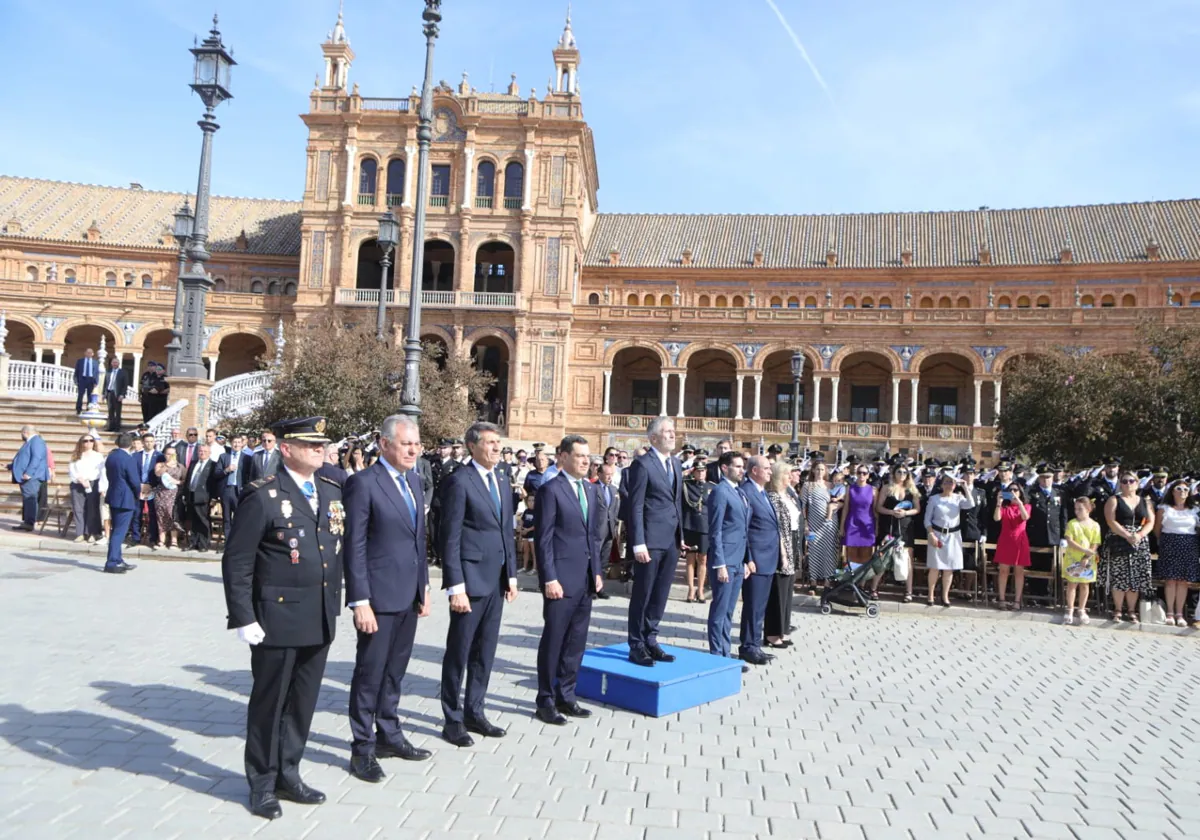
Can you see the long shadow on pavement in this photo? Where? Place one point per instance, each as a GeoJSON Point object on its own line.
{"type": "Point", "coordinates": [63, 561]}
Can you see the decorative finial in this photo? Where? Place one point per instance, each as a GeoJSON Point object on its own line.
{"type": "Point", "coordinates": [279, 342]}
{"type": "Point", "coordinates": [991, 298]}
{"type": "Point", "coordinates": [567, 41]}
{"type": "Point", "coordinates": [1170, 295]}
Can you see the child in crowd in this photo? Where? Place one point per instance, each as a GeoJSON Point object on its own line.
{"type": "Point", "coordinates": [528, 562]}
{"type": "Point", "coordinates": [1080, 559]}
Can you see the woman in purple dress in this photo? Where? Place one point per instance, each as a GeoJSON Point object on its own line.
{"type": "Point", "coordinates": [858, 521]}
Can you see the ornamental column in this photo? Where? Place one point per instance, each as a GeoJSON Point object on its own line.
{"type": "Point", "coordinates": [834, 409]}
{"type": "Point", "coordinates": [135, 382]}
{"type": "Point", "coordinates": [741, 390]}
{"type": "Point", "coordinates": [895, 399]}
{"type": "Point", "coordinates": [978, 401]}
{"type": "Point", "coordinates": [58, 354]}
{"type": "Point", "coordinates": [607, 390]}
{"type": "Point", "coordinates": [662, 396]}
{"type": "Point", "coordinates": [758, 397]}
{"type": "Point", "coordinates": [816, 399]}
{"type": "Point", "coordinates": [527, 198]}
{"type": "Point", "coordinates": [469, 154]}
{"type": "Point", "coordinates": [996, 402]}
{"type": "Point", "coordinates": [914, 382]}
{"type": "Point", "coordinates": [410, 162]}
{"type": "Point", "coordinates": [682, 380]}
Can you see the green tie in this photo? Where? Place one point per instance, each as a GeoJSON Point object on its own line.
{"type": "Point", "coordinates": [582, 499]}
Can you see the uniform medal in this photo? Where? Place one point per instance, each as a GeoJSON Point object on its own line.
{"type": "Point", "coordinates": [286, 507]}
{"type": "Point", "coordinates": [337, 516]}
{"type": "Point", "coordinates": [295, 557]}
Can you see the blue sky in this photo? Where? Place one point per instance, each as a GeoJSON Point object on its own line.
{"type": "Point", "coordinates": [697, 105]}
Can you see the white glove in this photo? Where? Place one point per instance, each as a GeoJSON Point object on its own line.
{"type": "Point", "coordinates": [251, 634]}
{"type": "Point", "coordinates": [1062, 543]}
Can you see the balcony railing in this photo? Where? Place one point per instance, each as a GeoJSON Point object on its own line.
{"type": "Point", "coordinates": [239, 395]}
{"type": "Point", "coordinates": [777, 431]}
{"type": "Point", "coordinates": [483, 201]}
{"type": "Point", "coordinates": [375, 103]}
{"type": "Point", "coordinates": [439, 201]}
{"type": "Point", "coordinates": [366, 199]}
{"type": "Point", "coordinates": [394, 199]}
{"type": "Point", "coordinates": [512, 203]}
{"type": "Point", "coordinates": [443, 300]}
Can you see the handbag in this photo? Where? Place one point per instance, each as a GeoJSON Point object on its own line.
{"type": "Point", "coordinates": [1150, 611]}
{"type": "Point", "coordinates": [900, 564]}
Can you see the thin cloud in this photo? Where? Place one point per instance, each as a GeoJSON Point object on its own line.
{"type": "Point", "coordinates": [803, 52]}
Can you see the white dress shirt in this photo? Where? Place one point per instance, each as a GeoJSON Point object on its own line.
{"type": "Point", "coordinates": [461, 588]}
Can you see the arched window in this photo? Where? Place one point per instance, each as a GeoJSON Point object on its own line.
{"type": "Point", "coordinates": [485, 184]}
{"type": "Point", "coordinates": [885, 303]}
{"type": "Point", "coordinates": [494, 263]}
{"type": "Point", "coordinates": [1177, 300]}
{"type": "Point", "coordinates": [722, 303]}
{"type": "Point", "coordinates": [273, 287]}
{"type": "Point", "coordinates": [810, 302]}
{"type": "Point", "coordinates": [1194, 300]}
{"type": "Point", "coordinates": [593, 299]}
{"type": "Point", "coordinates": [69, 275]}
{"type": "Point", "coordinates": [367, 172]}
{"type": "Point", "coordinates": [437, 270]}
{"type": "Point", "coordinates": [1023, 302]}
{"type": "Point", "coordinates": [514, 185]}
{"type": "Point", "coordinates": [31, 274]}
{"type": "Point", "coordinates": [704, 301]}
{"type": "Point", "coordinates": [848, 303]}
{"type": "Point", "coordinates": [289, 288]}
{"type": "Point", "coordinates": [665, 300]}
{"type": "Point", "coordinates": [1108, 302]}
{"type": "Point", "coordinates": [738, 302]}
{"type": "Point", "coordinates": [1129, 300]}
{"type": "Point", "coordinates": [110, 278]}
{"type": "Point", "coordinates": [147, 281]}
{"type": "Point", "coordinates": [632, 300]}
{"type": "Point", "coordinates": [219, 284]}
{"type": "Point", "coordinates": [128, 278]}
{"type": "Point", "coordinates": [1043, 302]}
{"type": "Point", "coordinates": [256, 286]}
{"type": "Point", "coordinates": [793, 303]}
{"type": "Point", "coordinates": [868, 302]}
{"type": "Point", "coordinates": [926, 303]}
{"type": "Point", "coordinates": [395, 182]}
{"type": "Point", "coordinates": [1004, 302]}
{"type": "Point", "coordinates": [964, 302]}
{"type": "Point", "coordinates": [648, 300]}
{"type": "Point", "coordinates": [1087, 302]}
{"type": "Point", "coordinates": [777, 303]}
{"type": "Point", "coordinates": [944, 302]}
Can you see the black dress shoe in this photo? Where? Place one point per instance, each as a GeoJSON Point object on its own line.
{"type": "Point", "coordinates": [484, 728]}
{"type": "Point", "coordinates": [115, 570]}
{"type": "Point", "coordinates": [458, 737]}
{"type": "Point", "coordinates": [367, 768]}
{"type": "Point", "coordinates": [603, 595]}
{"type": "Point", "coordinates": [265, 804]}
{"type": "Point", "coordinates": [550, 716]}
{"type": "Point", "coordinates": [127, 567]}
{"type": "Point", "coordinates": [658, 654]}
{"type": "Point", "coordinates": [638, 656]}
{"type": "Point", "coordinates": [754, 657]}
{"type": "Point", "coordinates": [400, 749]}
{"type": "Point", "coordinates": [745, 669]}
{"type": "Point", "coordinates": [573, 709]}
{"type": "Point", "coordinates": [22, 528]}
{"type": "Point", "coordinates": [299, 792]}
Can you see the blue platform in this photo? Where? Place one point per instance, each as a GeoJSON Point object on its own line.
{"type": "Point", "coordinates": [694, 678]}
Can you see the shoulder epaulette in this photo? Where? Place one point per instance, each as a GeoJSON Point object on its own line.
{"type": "Point", "coordinates": [330, 481]}
{"type": "Point", "coordinates": [262, 482]}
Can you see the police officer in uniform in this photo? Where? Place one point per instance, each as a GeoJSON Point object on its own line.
{"type": "Point", "coordinates": [282, 570]}
{"type": "Point", "coordinates": [1103, 487]}
{"type": "Point", "coordinates": [1048, 519]}
{"type": "Point", "coordinates": [444, 464]}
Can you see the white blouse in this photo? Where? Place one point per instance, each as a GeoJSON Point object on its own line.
{"type": "Point", "coordinates": [87, 469]}
{"type": "Point", "coordinates": [793, 511]}
{"type": "Point", "coordinates": [1185, 521]}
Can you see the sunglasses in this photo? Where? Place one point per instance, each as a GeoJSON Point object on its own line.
{"type": "Point", "coordinates": [862, 472]}
{"type": "Point", "coordinates": [1129, 481]}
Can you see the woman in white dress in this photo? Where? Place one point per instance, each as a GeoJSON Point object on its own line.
{"type": "Point", "coordinates": [944, 529]}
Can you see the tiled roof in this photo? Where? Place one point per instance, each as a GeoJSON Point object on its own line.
{"type": "Point", "coordinates": [1100, 233]}
{"type": "Point", "coordinates": [61, 211]}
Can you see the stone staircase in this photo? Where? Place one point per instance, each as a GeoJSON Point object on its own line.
{"type": "Point", "coordinates": [57, 423]}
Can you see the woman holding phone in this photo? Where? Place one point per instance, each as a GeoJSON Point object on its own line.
{"type": "Point", "coordinates": [897, 505]}
{"type": "Point", "coordinates": [943, 527]}
{"type": "Point", "coordinates": [1125, 554]}
{"type": "Point", "coordinates": [1012, 549]}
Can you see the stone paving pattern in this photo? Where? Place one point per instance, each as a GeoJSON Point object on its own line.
{"type": "Point", "coordinates": [122, 710]}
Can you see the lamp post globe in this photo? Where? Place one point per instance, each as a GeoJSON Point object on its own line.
{"type": "Point", "coordinates": [797, 377]}
{"type": "Point", "coordinates": [389, 237]}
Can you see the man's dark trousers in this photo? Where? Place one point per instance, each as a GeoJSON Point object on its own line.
{"type": "Point", "coordinates": [721, 609]}
{"type": "Point", "coordinates": [86, 386]}
{"type": "Point", "coordinates": [121, 517]}
{"type": "Point", "coordinates": [375, 688]}
{"type": "Point", "coordinates": [651, 589]}
{"type": "Point", "coordinates": [114, 414]}
{"type": "Point", "coordinates": [287, 678]}
{"type": "Point", "coordinates": [561, 648]}
{"type": "Point", "coordinates": [482, 625]}
{"type": "Point", "coordinates": [755, 591]}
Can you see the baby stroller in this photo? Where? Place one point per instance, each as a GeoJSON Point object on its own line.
{"type": "Point", "coordinates": [845, 589]}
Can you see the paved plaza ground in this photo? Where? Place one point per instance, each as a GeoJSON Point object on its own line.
{"type": "Point", "coordinates": [122, 708]}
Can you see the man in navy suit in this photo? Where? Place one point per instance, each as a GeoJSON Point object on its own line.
{"type": "Point", "coordinates": [762, 537]}
{"type": "Point", "coordinates": [653, 487]}
{"type": "Point", "coordinates": [387, 587]}
{"type": "Point", "coordinates": [122, 498]}
{"type": "Point", "coordinates": [567, 526]}
{"type": "Point", "coordinates": [235, 469]}
{"type": "Point", "coordinates": [30, 471]}
{"type": "Point", "coordinates": [728, 519]}
{"type": "Point", "coordinates": [86, 375]}
{"type": "Point", "coordinates": [479, 568]}
{"type": "Point", "coordinates": [144, 463]}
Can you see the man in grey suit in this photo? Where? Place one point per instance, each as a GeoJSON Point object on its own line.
{"type": "Point", "coordinates": [608, 509]}
{"type": "Point", "coordinates": [266, 460]}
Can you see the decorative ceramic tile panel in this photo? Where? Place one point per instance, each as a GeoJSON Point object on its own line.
{"type": "Point", "coordinates": [553, 254]}
{"type": "Point", "coordinates": [547, 377]}
{"type": "Point", "coordinates": [323, 176]}
{"type": "Point", "coordinates": [316, 269]}
{"type": "Point", "coordinates": [558, 165]}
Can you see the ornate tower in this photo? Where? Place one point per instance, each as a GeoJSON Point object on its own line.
{"type": "Point", "coordinates": [566, 61]}
{"type": "Point", "coordinates": [338, 56]}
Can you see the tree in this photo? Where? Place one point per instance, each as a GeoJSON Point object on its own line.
{"type": "Point", "coordinates": [339, 370]}
{"type": "Point", "coordinates": [1077, 407]}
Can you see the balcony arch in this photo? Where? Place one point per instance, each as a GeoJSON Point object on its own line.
{"type": "Point", "coordinates": [810, 302]}
{"type": "Point", "coordinates": [79, 336]}
{"type": "Point", "coordinates": [1043, 302]}
{"type": "Point", "coordinates": [239, 352]}
{"type": "Point", "coordinates": [711, 386]}
{"type": "Point", "coordinates": [1108, 302]}
{"type": "Point", "coordinates": [946, 389]}
{"type": "Point", "coordinates": [926, 303]}
{"type": "Point", "coordinates": [636, 379]}
{"type": "Point", "coordinates": [776, 303]}
{"type": "Point", "coordinates": [257, 287]}
{"type": "Point", "coordinates": [1087, 302]}
{"type": "Point", "coordinates": [514, 185]}
{"type": "Point", "coordinates": [22, 336]}
{"type": "Point", "coordinates": [704, 302]}
{"type": "Point", "coordinates": [848, 303]}
{"type": "Point", "coordinates": [110, 278]}
{"type": "Point", "coordinates": [437, 270]}
{"type": "Point", "coordinates": [793, 302]}
{"type": "Point", "coordinates": [593, 299]}
{"type": "Point", "coordinates": [1129, 300]}
{"type": "Point", "coordinates": [439, 343]}
{"type": "Point", "coordinates": [31, 274]}
{"type": "Point", "coordinates": [664, 300]}
{"type": "Point", "coordinates": [632, 300]}
{"type": "Point", "coordinates": [147, 281]}
{"type": "Point", "coordinates": [722, 302]}
{"type": "Point", "coordinates": [485, 184]}
{"type": "Point", "coordinates": [368, 174]}
{"type": "Point", "coordinates": [864, 384]}
{"type": "Point", "coordinates": [654, 349]}
{"type": "Point", "coordinates": [369, 274]}
{"type": "Point", "coordinates": [396, 168]}
{"type": "Point", "coordinates": [69, 276]}
{"type": "Point", "coordinates": [739, 302]}
{"type": "Point", "coordinates": [1004, 302]}
{"type": "Point", "coordinates": [1023, 302]}
{"type": "Point", "coordinates": [494, 262]}
{"type": "Point", "coordinates": [944, 302]}
{"type": "Point", "coordinates": [868, 302]}
{"type": "Point", "coordinates": [648, 300]}
{"type": "Point", "coordinates": [492, 354]}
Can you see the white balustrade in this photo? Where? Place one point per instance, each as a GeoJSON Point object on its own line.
{"type": "Point", "coordinates": [238, 395]}
{"type": "Point", "coordinates": [449, 300]}
{"type": "Point", "coordinates": [167, 420]}
{"type": "Point", "coordinates": [43, 380]}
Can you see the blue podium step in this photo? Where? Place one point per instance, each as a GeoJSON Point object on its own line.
{"type": "Point", "coordinates": [693, 679]}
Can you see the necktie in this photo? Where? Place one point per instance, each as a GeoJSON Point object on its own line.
{"type": "Point", "coordinates": [191, 453]}
{"type": "Point", "coordinates": [406, 492]}
{"type": "Point", "coordinates": [582, 499]}
{"type": "Point", "coordinates": [310, 493]}
{"type": "Point", "coordinates": [495, 493]}
{"type": "Point", "coordinates": [145, 467]}
{"type": "Point", "coordinates": [87, 368]}
{"type": "Point", "coordinates": [196, 476]}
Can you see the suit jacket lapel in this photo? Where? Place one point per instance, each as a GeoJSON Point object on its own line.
{"type": "Point", "coordinates": [388, 484]}
{"type": "Point", "coordinates": [296, 496]}
{"type": "Point", "coordinates": [481, 488]}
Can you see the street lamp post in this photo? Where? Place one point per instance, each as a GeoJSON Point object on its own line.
{"type": "Point", "coordinates": [797, 375]}
{"type": "Point", "coordinates": [410, 394]}
{"type": "Point", "coordinates": [182, 233]}
{"type": "Point", "coordinates": [389, 235]}
{"type": "Point", "coordinates": [211, 82]}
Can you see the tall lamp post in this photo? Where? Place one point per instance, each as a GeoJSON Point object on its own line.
{"type": "Point", "coordinates": [410, 394]}
{"type": "Point", "coordinates": [182, 232]}
{"type": "Point", "coordinates": [797, 375]}
{"type": "Point", "coordinates": [211, 82]}
{"type": "Point", "coordinates": [389, 235]}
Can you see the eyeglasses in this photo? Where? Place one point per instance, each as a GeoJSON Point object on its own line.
{"type": "Point", "coordinates": [191, 434]}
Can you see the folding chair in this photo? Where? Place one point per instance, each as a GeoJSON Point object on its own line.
{"type": "Point", "coordinates": [63, 513]}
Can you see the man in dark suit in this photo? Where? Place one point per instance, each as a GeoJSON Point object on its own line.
{"type": "Point", "coordinates": [442, 466]}
{"type": "Point", "coordinates": [330, 469]}
{"type": "Point", "coordinates": [713, 472]}
{"type": "Point", "coordinates": [728, 518]}
{"type": "Point", "coordinates": [86, 374]}
{"type": "Point", "coordinates": [144, 463]}
{"type": "Point", "coordinates": [608, 504]}
{"type": "Point", "coordinates": [199, 485]}
{"type": "Point", "coordinates": [567, 523]}
{"type": "Point", "coordinates": [762, 539]}
{"type": "Point", "coordinates": [188, 448]}
{"type": "Point", "coordinates": [282, 570]}
{"type": "Point", "coordinates": [387, 587]}
{"type": "Point", "coordinates": [116, 383]}
{"type": "Point", "coordinates": [122, 498]}
{"type": "Point", "coordinates": [266, 460]}
{"type": "Point", "coordinates": [653, 485]}
{"type": "Point", "coordinates": [479, 568]}
{"type": "Point", "coordinates": [235, 470]}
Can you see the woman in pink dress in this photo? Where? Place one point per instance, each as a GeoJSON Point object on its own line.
{"type": "Point", "coordinates": [1012, 549]}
